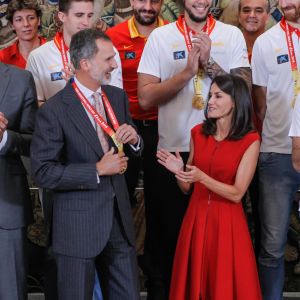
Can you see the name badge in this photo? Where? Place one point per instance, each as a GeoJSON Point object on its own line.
{"type": "Point", "coordinates": [281, 59]}
{"type": "Point", "coordinates": [179, 55]}
{"type": "Point", "coordinates": [129, 55]}
{"type": "Point", "coordinates": [56, 76]}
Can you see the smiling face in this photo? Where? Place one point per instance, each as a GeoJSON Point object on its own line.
{"type": "Point", "coordinates": [197, 10]}
{"type": "Point", "coordinates": [103, 63]}
{"type": "Point", "coordinates": [291, 10]}
{"type": "Point", "coordinates": [220, 104]}
{"type": "Point", "coordinates": [26, 23]}
{"type": "Point", "coordinates": [78, 17]}
{"type": "Point", "coordinates": [146, 11]}
{"type": "Point", "coordinates": [253, 15]}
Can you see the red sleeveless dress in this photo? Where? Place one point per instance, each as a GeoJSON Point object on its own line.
{"type": "Point", "coordinates": [214, 257]}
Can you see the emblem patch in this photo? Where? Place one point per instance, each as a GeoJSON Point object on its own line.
{"type": "Point", "coordinates": [129, 55]}
{"type": "Point", "coordinates": [56, 76]}
{"type": "Point", "coordinates": [281, 59]}
{"type": "Point", "coordinates": [179, 55]}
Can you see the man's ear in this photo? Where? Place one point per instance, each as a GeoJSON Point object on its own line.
{"type": "Point", "coordinates": [85, 64]}
{"type": "Point", "coordinates": [61, 16]}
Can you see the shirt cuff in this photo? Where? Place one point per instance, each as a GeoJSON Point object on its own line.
{"type": "Point", "coordinates": [4, 140]}
{"type": "Point", "coordinates": [98, 178]}
{"type": "Point", "coordinates": [137, 146]}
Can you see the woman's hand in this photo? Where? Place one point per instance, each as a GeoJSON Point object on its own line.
{"type": "Point", "coordinates": [193, 174]}
{"type": "Point", "coordinates": [171, 162]}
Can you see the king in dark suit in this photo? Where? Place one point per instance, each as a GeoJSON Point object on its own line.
{"type": "Point", "coordinates": [18, 105]}
{"type": "Point", "coordinates": [92, 221]}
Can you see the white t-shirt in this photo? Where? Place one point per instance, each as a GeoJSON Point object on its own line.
{"type": "Point", "coordinates": [271, 68]}
{"type": "Point", "coordinates": [295, 126]}
{"type": "Point", "coordinates": [45, 64]}
{"type": "Point", "coordinates": [165, 55]}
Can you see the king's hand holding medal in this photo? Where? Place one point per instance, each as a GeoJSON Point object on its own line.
{"type": "Point", "coordinates": [113, 163]}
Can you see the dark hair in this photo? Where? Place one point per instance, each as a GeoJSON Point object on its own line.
{"type": "Point", "coordinates": [64, 5]}
{"type": "Point", "coordinates": [17, 5]}
{"type": "Point", "coordinates": [237, 88]}
{"type": "Point", "coordinates": [268, 8]}
{"type": "Point", "coordinates": [83, 45]}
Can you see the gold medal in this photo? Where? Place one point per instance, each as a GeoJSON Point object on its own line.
{"type": "Point", "coordinates": [296, 79]}
{"type": "Point", "coordinates": [198, 102]}
{"type": "Point", "coordinates": [118, 144]}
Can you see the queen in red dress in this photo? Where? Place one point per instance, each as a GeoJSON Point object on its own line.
{"type": "Point", "coordinates": [214, 257]}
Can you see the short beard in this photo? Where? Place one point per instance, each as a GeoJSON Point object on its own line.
{"type": "Point", "coordinates": [195, 18]}
{"type": "Point", "coordinates": [292, 18]}
{"type": "Point", "coordinates": [142, 21]}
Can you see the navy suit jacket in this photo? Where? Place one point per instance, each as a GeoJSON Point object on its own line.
{"type": "Point", "coordinates": [18, 102]}
{"type": "Point", "coordinates": [64, 152]}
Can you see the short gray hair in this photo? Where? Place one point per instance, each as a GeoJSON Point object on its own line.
{"type": "Point", "coordinates": [268, 7]}
{"type": "Point", "coordinates": [83, 45]}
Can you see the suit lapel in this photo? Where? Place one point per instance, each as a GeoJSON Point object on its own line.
{"type": "Point", "coordinates": [77, 114]}
{"type": "Point", "coordinates": [4, 80]}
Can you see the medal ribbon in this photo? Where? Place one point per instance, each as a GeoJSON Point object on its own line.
{"type": "Point", "coordinates": [62, 47]}
{"type": "Point", "coordinates": [293, 60]}
{"type": "Point", "coordinates": [185, 30]}
{"type": "Point", "coordinates": [100, 121]}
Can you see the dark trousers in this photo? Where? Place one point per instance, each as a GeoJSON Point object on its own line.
{"type": "Point", "coordinates": [115, 265]}
{"type": "Point", "coordinates": [147, 163]}
{"type": "Point", "coordinates": [173, 204]}
{"type": "Point", "coordinates": [12, 264]}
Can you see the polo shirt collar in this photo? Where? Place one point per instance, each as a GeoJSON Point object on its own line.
{"type": "Point", "coordinates": [133, 31]}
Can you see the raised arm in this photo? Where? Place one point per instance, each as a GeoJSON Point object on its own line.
{"type": "Point", "coordinates": [152, 91]}
{"type": "Point", "coordinates": [233, 192]}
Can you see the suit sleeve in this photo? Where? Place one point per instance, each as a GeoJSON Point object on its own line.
{"type": "Point", "coordinates": [128, 150]}
{"type": "Point", "coordinates": [18, 140]}
{"type": "Point", "coordinates": [49, 167]}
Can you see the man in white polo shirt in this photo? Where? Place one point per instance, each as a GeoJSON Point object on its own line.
{"type": "Point", "coordinates": [175, 72]}
{"type": "Point", "coordinates": [276, 79]}
{"type": "Point", "coordinates": [49, 64]}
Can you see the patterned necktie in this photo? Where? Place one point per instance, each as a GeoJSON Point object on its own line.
{"type": "Point", "coordinates": [100, 110]}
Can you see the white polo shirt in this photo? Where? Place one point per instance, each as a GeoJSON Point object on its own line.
{"type": "Point", "coordinates": [295, 126]}
{"type": "Point", "coordinates": [45, 64]}
{"type": "Point", "coordinates": [165, 55]}
{"type": "Point", "coordinates": [271, 68]}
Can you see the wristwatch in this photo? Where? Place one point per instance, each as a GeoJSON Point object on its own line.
{"type": "Point", "coordinates": [210, 62]}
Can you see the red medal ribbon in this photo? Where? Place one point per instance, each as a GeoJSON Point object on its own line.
{"type": "Point", "coordinates": [62, 47]}
{"type": "Point", "coordinates": [185, 30]}
{"type": "Point", "coordinates": [288, 34]}
{"type": "Point", "coordinates": [100, 121]}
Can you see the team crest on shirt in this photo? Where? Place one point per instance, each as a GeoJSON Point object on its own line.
{"type": "Point", "coordinates": [129, 55]}
{"type": "Point", "coordinates": [56, 76]}
{"type": "Point", "coordinates": [179, 55]}
{"type": "Point", "coordinates": [281, 59]}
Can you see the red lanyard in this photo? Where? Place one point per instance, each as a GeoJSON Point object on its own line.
{"type": "Point", "coordinates": [290, 44]}
{"type": "Point", "coordinates": [100, 121]}
{"type": "Point", "coordinates": [62, 47]}
{"type": "Point", "coordinates": [183, 28]}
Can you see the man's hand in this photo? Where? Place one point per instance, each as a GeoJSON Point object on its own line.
{"type": "Point", "coordinates": [203, 42]}
{"type": "Point", "coordinates": [68, 72]}
{"type": "Point", "coordinates": [192, 65]}
{"type": "Point", "coordinates": [127, 134]}
{"type": "Point", "coordinates": [3, 125]}
{"type": "Point", "coordinates": [112, 164]}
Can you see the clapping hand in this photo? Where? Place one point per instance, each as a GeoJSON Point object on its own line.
{"type": "Point", "coordinates": [3, 125]}
{"type": "Point", "coordinates": [171, 162]}
{"type": "Point", "coordinates": [191, 175]}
